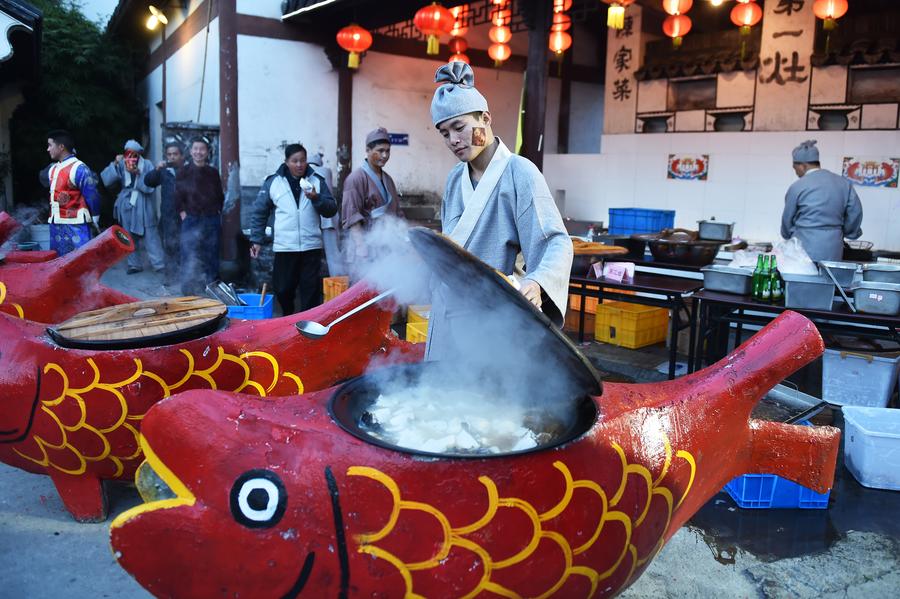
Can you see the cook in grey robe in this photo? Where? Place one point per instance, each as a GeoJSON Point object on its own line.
{"type": "Point", "coordinates": [135, 211]}
{"type": "Point", "coordinates": [518, 215]}
{"type": "Point", "coordinates": [821, 209]}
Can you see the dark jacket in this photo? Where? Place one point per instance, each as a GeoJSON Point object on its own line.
{"type": "Point", "coordinates": [198, 191]}
{"type": "Point", "coordinates": [164, 177]}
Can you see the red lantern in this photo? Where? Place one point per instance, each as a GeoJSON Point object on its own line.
{"type": "Point", "coordinates": [500, 35]}
{"type": "Point", "coordinates": [499, 52]}
{"type": "Point", "coordinates": [355, 40]}
{"type": "Point", "coordinates": [501, 17]}
{"type": "Point", "coordinates": [434, 21]}
{"type": "Point", "coordinates": [561, 22]}
{"type": "Point", "coordinates": [460, 14]}
{"type": "Point", "coordinates": [560, 41]}
{"type": "Point", "coordinates": [458, 58]}
{"type": "Point", "coordinates": [746, 16]}
{"type": "Point", "coordinates": [676, 27]}
{"type": "Point", "coordinates": [615, 15]}
{"type": "Point", "coordinates": [829, 11]}
{"type": "Point", "coordinates": [457, 45]}
{"type": "Point", "coordinates": [563, 5]}
{"type": "Point", "coordinates": [677, 7]}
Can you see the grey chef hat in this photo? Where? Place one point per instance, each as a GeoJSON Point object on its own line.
{"type": "Point", "coordinates": [457, 95]}
{"type": "Point", "coordinates": [134, 146]}
{"type": "Point", "coordinates": [806, 152]}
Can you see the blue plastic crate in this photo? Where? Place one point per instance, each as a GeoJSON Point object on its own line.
{"type": "Point", "coordinates": [252, 311]}
{"type": "Point", "coordinates": [627, 221]}
{"type": "Point", "coordinates": [769, 491]}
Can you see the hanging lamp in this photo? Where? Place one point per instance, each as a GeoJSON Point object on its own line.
{"type": "Point", "coordinates": [433, 21]}
{"type": "Point", "coordinates": [355, 40]}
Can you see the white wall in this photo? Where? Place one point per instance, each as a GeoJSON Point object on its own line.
{"type": "Point", "coordinates": [401, 103]}
{"type": "Point", "coordinates": [184, 73]}
{"type": "Point", "coordinates": [260, 8]}
{"type": "Point", "coordinates": [749, 174]}
{"type": "Point", "coordinates": [287, 92]}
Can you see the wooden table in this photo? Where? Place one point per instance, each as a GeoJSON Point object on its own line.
{"type": "Point", "coordinates": [718, 311]}
{"type": "Point", "coordinates": [660, 291]}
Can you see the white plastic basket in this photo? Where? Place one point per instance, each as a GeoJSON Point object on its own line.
{"type": "Point", "coordinates": [872, 446]}
{"type": "Point", "coordinates": [858, 379]}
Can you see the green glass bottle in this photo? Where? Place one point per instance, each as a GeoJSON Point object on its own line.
{"type": "Point", "coordinates": [765, 283]}
{"type": "Point", "coordinates": [776, 282]}
{"type": "Point", "coordinates": [757, 277]}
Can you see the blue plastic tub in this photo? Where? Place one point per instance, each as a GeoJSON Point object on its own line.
{"type": "Point", "coordinates": [252, 311]}
{"type": "Point", "coordinates": [627, 221]}
{"type": "Point", "coordinates": [769, 491]}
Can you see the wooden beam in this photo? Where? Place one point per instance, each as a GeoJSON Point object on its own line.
{"type": "Point", "coordinates": [565, 104]}
{"type": "Point", "coordinates": [229, 140]}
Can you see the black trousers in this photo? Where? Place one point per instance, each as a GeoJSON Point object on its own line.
{"type": "Point", "coordinates": [297, 269]}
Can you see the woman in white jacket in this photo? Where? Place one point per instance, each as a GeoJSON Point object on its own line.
{"type": "Point", "coordinates": [299, 197]}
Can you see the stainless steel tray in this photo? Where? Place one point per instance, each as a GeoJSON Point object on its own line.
{"type": "Point", "coordinates": [877, 298]}
{"type": "Point", "coordinates": [727, 279]}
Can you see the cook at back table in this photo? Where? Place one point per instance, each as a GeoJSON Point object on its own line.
{"type": "Point", "coordinates": [821, 208]}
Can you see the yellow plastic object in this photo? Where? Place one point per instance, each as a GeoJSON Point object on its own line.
{"type": "Point", "coordinates": [418, 313]}
{"type": "Point", "coordinates": [630, 325]}
{"type": "Point", "coordinates": [417, 332]}
{"type": "Point", "coordinates": [334, 286]}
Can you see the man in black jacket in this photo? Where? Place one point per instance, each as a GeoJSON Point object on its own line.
{"type": "Point", "coordinates": [169, 221]}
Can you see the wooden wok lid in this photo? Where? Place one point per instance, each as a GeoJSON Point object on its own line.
{"type": "Point", "coordinates": [463, 270]}
{"type": "Point", "coordinates": [141, 324]}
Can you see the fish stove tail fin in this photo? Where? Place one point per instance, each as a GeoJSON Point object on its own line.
{"type": "Point", "coordinates": [806, 455]}
{"type": "Point", "coordinates": [782, 347]}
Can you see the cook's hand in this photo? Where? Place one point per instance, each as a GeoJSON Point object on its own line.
{"type": "Point", "coordinates": [119, 158]}
{"type": "Point", "coordinates": [161, 164]}
{"type": "Point", "coordinates": [254, 250]}
{"type": "Point", "coordinates": [183, 215]}
{"type": "Point", "coordinates": [311, 194]}
{"type": "Point", "coordinates": [532, 292]}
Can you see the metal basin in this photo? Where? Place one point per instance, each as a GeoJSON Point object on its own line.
{"type": "Point", "coordinates": [882, 273]}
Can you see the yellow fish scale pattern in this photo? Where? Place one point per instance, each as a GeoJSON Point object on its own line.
{"type": "Point", "coordinates": [459, 536]}
{"type": "Point", "coordinates": [15, 307]}
{"type": "Point", "coordinates": [71, 460]}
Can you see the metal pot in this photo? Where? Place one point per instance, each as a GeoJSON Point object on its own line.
{"type": "Point", "coordinates": [350, 403]}
{"type": "Point", "coordinates": [715, 230]}
{"type": "Point", "coordinates": [635, 246]}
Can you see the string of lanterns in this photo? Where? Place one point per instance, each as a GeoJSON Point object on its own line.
{"type": "Point", "coordinates": [458, 44]}
{"type": "Point", "coordinates": [677, 24]}
{"type": "Point", "coordinates": [560, 40]}
{"type": "Point", "coordinates": [500, 33]}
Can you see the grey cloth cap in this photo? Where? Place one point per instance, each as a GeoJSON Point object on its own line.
{"type": "Point", "coordinates": [378, 135]}
{"type": "Point", "coordinates": [457, 95]}
{"type": "Point", "coordinates": [316, 159]}
{"type": "Point", "coordinates": [806, 152]}
{"type": "Point", "coordinates": [134, 146]}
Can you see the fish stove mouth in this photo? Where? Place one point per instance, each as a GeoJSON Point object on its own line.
{"type": "Point", "coordinates": [158, 486]}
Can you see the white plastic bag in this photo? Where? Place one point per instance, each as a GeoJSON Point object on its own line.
{"type": "Point", "coordinates": [793, 259]}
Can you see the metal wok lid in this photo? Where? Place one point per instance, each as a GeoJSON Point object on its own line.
{"type": "Point", "coordinates": [460, 269]}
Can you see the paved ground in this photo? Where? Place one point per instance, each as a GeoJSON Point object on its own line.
{"type": "Point", "coordinates": [850, 550]}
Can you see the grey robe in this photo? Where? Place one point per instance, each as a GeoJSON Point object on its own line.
{"type": "Point", "coordinates": [520, 216]}
{"type": "Point", "coordinates": [139, 218]}
{"type": "Point", "coordinates": [821, 209]}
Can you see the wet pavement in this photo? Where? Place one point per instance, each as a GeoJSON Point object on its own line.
{"type": "Point", "coordinates": [852, 549]}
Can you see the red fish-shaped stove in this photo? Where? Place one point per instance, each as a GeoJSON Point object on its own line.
{"type": "Point", "coordinates": [75, 414]}
{"type": "Point", "coordinates": [57, 289]}
{"type": "Point", "coordinates": [8, 226]}
{"type": "Point", "coordinates": [273, 499]}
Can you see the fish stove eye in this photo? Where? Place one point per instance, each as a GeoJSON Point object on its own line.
{"type": "Point", "coordinates": [258, 499]}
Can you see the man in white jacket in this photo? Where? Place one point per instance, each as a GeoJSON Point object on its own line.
{"type": "Point", "coordinates": [299, 197]}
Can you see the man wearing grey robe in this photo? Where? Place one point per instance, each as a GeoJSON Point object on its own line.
{"type": "Point", "coordinates": [497, 205]}
{"type": "Point", "coordinates": [821, 208]}
{"type": "Point", "coordinates": [135, 208]}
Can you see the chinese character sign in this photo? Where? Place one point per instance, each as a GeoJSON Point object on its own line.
{"type": "Point", "coordinates": [623, 58]}
{"type": "Point", "coordinates": [872, 172]}
{"type": "Point", "coordinates": [688, 167]}
{"type": "Point", "coordinates": [783, 77]}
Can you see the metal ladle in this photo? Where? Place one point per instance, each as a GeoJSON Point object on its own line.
{"type": "Point", "coordinates": [314, 330]}
{"type": "Point", "coordinates": [839, 288]}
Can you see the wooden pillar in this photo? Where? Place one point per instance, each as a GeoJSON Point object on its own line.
{"type": "Point", "coordinates": [344, 127]}
{"type": "Point", "coordinates": [229, 156]}
{"type": "Point", "coordinates": [536, 83]}
{"type": "Point", "coordinates": [565, 103]}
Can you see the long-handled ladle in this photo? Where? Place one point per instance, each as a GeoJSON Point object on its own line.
{"type": "Point", "coordinates": [314, 330]}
